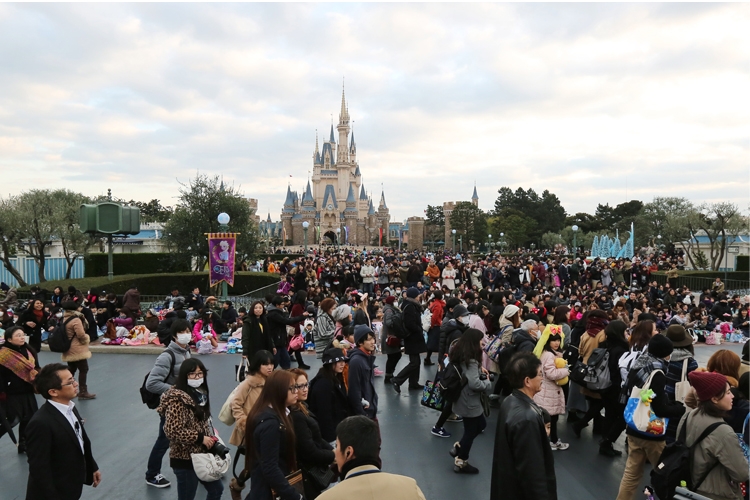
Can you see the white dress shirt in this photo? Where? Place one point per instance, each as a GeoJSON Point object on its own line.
{"type": "Point", "coordinates": [67, 411]}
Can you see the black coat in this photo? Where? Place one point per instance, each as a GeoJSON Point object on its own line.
{"type": "Point", "coordinates": [165, 328]}
{"type": "Point", "coordinates": [271, 467]}
{"type": "Point", "coordinates": [256, 336]}
{"type": "Point", "coordinates": [414, 342]}
{"type": "Point", "coordinates": [523, 467]}
{"type": "Point", "coordinates": [330, 404]}
{"type": "Point", "coordinates": [450, 330]}
{"type": "Point", "coordinates": [57, 467]}
{"type": "Point", "coordinates": [35, 332]}
{"type": "Point", "coordinates": [312, 449]}
{"type": "Point", "coordinates": [523, 341]}
{"type": "Point", "coordinates": [277, 322]}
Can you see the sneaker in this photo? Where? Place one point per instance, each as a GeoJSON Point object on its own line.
{"type": "Point", "coordinates": [559, 445]}
{"type": "Point", "coordinates": [440, 432]}
{"type": "Point", "coordinates": [378, 372]}
{"type": "Point", "coordinates": [455, 418]}
{"type": "Point", "coordinates": [158, 481]}
{"type": "Point", "coordinates": [463, 467]}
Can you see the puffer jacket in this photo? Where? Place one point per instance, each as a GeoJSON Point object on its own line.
{"type": "Point", "coordinates": [469, 402]}
{"type": "Point", "coordinates": [184, 431]}
{"type": "Point", "coordinates": [244, 398]}
{"type": "Point", "coordinates": [450, 330]}
{"type": "Point", "coordinates": [79, 339]}
{"type": "Point", "coordinates": [722, 482]}
{"type": "Point", "coordinates": [551, 397]}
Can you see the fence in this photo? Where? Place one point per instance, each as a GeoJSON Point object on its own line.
{"type": "Point", "coordinates": [245, 300]}
{"type": "Point", "coordinates": [701, 283]}
{"type": "Point", "coordinates": [54, 269]}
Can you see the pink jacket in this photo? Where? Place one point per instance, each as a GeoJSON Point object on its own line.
{"type": "Point", "coordinates": [198, 335]}
{"type": "Point", "coordinates": [551, 397]}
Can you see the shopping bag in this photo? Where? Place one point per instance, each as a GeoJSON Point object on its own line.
{"type": "Point", "coordinates": [431, 397]}
{"type": "Point", "coordinates": [638, 413]}
{"type": "Point", "coordinates": [682, 388]}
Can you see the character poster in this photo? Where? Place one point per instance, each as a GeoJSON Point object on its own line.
{"type": "Point", "coordinates": [221, 248]}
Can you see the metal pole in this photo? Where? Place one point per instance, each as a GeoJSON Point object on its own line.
{"type": "Point", "coordinates": [110, 272]}
{"type": "Point", "coordinates": [454, 243]}
{"type": "Point", "coordinates": [224, 291]}
{"type": "Point", "coordinates": [726, 260]}
{"type": "Point", "coordinates": [305, 231]}
{"type": "Point", "coordinates": [575, 251]}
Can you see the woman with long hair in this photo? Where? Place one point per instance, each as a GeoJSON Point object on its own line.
{"type": "Point", "coordinates": [551, 397]}
{"type": "Point", "coordinates": [19, 365]}
{"type": "Point", "coordinates": [204, 328]}
{"type": "Point", "coordinates": [246, 394]}
{"type": "Point", "coordinates": [561, 318]}
{"type": "Point", "coordinates": [327, 397]}
{"type": "Point", "coordinates": [270, 440]}
{"type": "Point", "coordinates": [596, 322]}
{"type": "Point", "coordinates": [298, 309]}
{"type": "Point", "coordinates": [313, 451]}
{"type": "Point", "coordinates": [187, 424]}
{"type": "Point", "coordinates": [466, 356]}
{"type": "Point", "coordinates": [32, 320]}
{"type": "Point", "coordinates": [256, 336]}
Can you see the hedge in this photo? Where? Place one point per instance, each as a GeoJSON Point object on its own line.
{"type": "Point", "coordinates": [96, 264]}
{"type": "Point", "coordinates": [160, 284]}
{"type": "Point", "coordinates": [743, 263]}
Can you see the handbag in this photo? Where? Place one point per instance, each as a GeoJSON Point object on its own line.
{"type": "Point", "coordinates": [638, 414]}
{"type": "Point", "coordinates": [743, 444]}
{"type": "Point", "coordinates": [431, 396]}
{"type": "Point", "coordinates": [295, 481]}
{"type": "Point", "coordinates": [226, 416]}
{"type": "Point", "coordinates": [682, 388]}
{"type": "Point", "coordinates": [240, 371]}
{"type": "Point", "coordinates": [319, 476]}
{"type": "Point", "coordinates": [209, 467]}
{"type": "Point", "coordinates": [392, 341]}
{"type": "Point", "coordinates": [297, 343]}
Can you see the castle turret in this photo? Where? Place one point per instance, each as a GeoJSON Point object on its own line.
{"type": "Point", "coordinates": [475, 197]}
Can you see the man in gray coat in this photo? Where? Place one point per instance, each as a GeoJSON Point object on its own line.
{"type": "Point", "coordinates": [163, 376]}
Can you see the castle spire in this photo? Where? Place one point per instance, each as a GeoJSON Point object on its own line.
{"type": "Point", "coordinates": [344, 113]}
{"type": "Point", "coordinates": [333, 139]}
{"type": "Point", "coordinates": [382, 199]}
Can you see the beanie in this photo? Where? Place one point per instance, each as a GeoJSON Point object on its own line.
{"type": "Point", "coordinates": [459, 311]}
{"type": "Point", "coordinates": [510, 311]}
{"type": "Point", "coordinates": [660, 346]}
{"type": "Point", "coordinates": [412, 292]}
{"type": "Point", "coordinates": [360, 332]}
{"type": "Point", "coordinates": [707, 384]}
{"type": "Point", "coordinates": [390, 299]}
{"type": "Point", "coordinates": [341, 312]}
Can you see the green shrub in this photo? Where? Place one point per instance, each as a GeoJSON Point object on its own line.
{"type": "Point", "coordinates": [136, 263]}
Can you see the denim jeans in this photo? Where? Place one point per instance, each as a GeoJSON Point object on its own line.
{"type": "Point", "coordinates": [282, 358]}
{"type": "Point", "coordinates": [157, 452]}
{"type": "Point", "coordinates": [187, 485]}
{"type": "Point", "coordinates": [473, 426]}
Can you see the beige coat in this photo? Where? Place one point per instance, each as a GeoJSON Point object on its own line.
{"type": "Point", "coordinates": [244, 399]}
{"type": "Point", "coordinates": [586, 347]}
{"type": "Point", "coordinates": [79, 339]}
{"type": "Point", "coordinates": [380, 486]}
{"type": "Point", "coordinates": [551, 397]}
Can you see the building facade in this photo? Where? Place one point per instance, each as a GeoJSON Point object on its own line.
{"type": "Point", "coordinates": [335, 204]}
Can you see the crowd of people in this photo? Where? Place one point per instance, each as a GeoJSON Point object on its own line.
{"type": "Point", "coordinates": [531, 334]}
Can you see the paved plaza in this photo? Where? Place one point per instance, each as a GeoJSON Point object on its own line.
{"type": "Point", "coordinates": [123, 430]}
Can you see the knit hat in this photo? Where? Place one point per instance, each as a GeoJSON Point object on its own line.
{"type": "Point", "coordinates": [678, 336]}
{"type": "Point", "coordinates": [412, 292]}
{"type": "Point", "coordinates": [341, 312]}
{"type": "Point", "coordinates": [4, 286]}
{"type": "Point", "coordinates": [333, 355]}
{"type": "Point", "coordinates": [510, 311]}
{"type": "Point", "coordinates": [459, 311]}
{"type": "Point", "coordinates": [390, 299]}
{"type": "Point", "coordinates": [69, 305]}
{"type": "Point", "coordinates": [360, 332]}
{"type": "Point", "coordinates": [660, 346]}
{"type": "Point", "coordinates": [707, 384]}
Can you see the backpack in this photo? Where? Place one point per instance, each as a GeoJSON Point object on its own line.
{"type": "Point", "coordinates": [451, 383]}
{"type": "Point", "coordinates": [149, 398]}
{"type": "Point", "coordinates": [675, 464]}
{"type": "Point", "coordinates": [506, 353]}
{"type": "Point", "coordinates": [626, 362]}
{"type": "Point", "coordinates": [394, 320]}
{"type": "Point", "coordinates": [597, 370]}
{"type": "Point", "coordinates": [58, 340]}
{"type": "Point", "coordinates": [494, 347]}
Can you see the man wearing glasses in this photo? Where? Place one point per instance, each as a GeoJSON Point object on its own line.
{"type": "Point", "coordinates": [58, 449]}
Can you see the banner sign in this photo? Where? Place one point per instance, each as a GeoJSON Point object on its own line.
{"type": "Point", "coordinates": [221, 247]}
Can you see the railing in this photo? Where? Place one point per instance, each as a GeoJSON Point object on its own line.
{"type": "Point", "coordinates": [699, 283]}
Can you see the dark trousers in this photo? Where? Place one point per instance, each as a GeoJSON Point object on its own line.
{"type": "Point", "coordinates": [298, 358]}
{"type": "Point", "coordinates": [391, 362]}
{"type": "Point", "coordinates": [410, 372]}
{"type": "Point", "coordinates": [617, 424]}
{"type": "Point", "coordinates": [83, 367]}
{"type": "Point", "coordinates": [282, 359]}
{"type": "Point", "coordinates": [187, 485]}
{"type": "Point", "coordinates": [447, 412]}
{"type": "Point", "coordinates": [157, 452]}
{"type": "Point", "coordinates": [473, 426]}
{"type": "Point", "coordinates": [553, 428]}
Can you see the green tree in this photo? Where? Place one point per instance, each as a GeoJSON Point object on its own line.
{"type": "Point", "coordinates": [201, 201]}
{"type": "Point", "coordinates": [75, 244]}
{"type": "Point", "coordinates": [469, 222]}
{"type": "Point", "coordinates": [545, 210]}
{"type": "Point", "coordinates": [517, 227]}
{"type": "Point", "coordinates": [434, 224]}
{"type": "Point", "coordinates": [38, 223]}
{"type": "Point", "coordinates": [153, 211]}
{"type": "Point", "coordinates": [666, 217]}
{"type": "Point", "coordinates": [718, 222]}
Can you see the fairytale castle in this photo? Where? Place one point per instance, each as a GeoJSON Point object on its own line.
{"type": "Point", "coordinates": [336, 205]}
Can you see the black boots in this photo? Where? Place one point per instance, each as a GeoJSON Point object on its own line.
{"type": "Point", "coordinates": [606, 449]}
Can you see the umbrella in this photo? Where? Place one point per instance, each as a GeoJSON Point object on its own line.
{"type": "Point", "coordinates": [5, 425]}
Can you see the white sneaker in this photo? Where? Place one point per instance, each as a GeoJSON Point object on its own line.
{"type": "Point", "coordinates": [559, 445]}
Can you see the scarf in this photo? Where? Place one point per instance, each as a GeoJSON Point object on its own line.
{"type": "Point", "coordinates": [595, 325]}
{"type": "Point", "coordinates": [23, 367]}
{"type": "Point", "coordinates": [38, 314]}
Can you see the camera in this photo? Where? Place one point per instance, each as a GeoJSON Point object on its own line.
{"type": "Point", "coordinates": [219, 450]}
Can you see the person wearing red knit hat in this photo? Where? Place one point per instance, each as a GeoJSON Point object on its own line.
{"type": "Point", "coordinates": [718, 464]}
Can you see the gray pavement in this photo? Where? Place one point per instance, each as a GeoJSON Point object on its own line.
{"type": "Point", "coordinates": [123, 430]}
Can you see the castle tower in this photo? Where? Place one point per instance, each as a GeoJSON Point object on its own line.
{"type": "Point", "coordinates": [475, 197]}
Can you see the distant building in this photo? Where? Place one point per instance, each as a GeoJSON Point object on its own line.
{"type": "Point", "coordinates": [736, 246]}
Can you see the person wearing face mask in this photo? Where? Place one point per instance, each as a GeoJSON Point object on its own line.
{"type": "Point", "coordinates": [161, 378]}
{"type": "Point", "coordinates": [526, 337]}
{"type": "Point", "coordinates": [186, 410]}
{"type": "Point", "coordinates": [451, 330]}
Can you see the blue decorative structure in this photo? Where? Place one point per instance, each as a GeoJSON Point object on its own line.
{"type": "Point", "coordinates": [605, 247]}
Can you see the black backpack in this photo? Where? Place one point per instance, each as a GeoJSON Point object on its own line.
{"type": "Point", "coordinates": [58, 340]}
{"type": "Point", "coordinates": [597, 370]}
{"type": "Point", "coordinates": [394, 320]}
{"type": "Point", "coordinates": [149, 398]}
{"type": "Point", "coordinates": [451, 383]}
{"type": "Point", "coordinates": [675, 464]}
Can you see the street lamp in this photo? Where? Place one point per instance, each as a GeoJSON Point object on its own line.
{"type": "Point", "coordinates": [305, 225]}
{"type": "Point", "coordinates": [453, 231]}
{"type": "Point", "coordinates": [575, 248]}
{"type": "Point", "coordinates": [461, 243]}
{"type": "Point", "coordinates": [338, 238]}
{"type": "Point", "coordinates": [223, 219]}
{"type": "Point", "coordinates": [489, 241]}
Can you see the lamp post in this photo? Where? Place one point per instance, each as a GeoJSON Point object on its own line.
{"type": "Point", "coordinates": [489, 242]}
{"type": "Point", "coordinates": [461, 243]}
{"type": "Point", "coordinates": [575, 248]}
{"type": "Point", "coordinates": [338, 238]}
{"type": "Point", "coordinates": [453, 231]}
{"type": "Point", "coordinates": [223, 219]}
{"type": "Point", "coordinates": [501, 244]}
{"type": "Point", "coordinates": [305, 225]}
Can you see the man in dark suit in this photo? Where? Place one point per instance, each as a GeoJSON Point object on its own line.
{"type": "Point", "coordinates": [58, 449]}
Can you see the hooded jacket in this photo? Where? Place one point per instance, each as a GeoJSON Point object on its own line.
{"type": "Point", "coordinates": [79, 339]}
{"type": "Point", "coordinates": [362, 383]}
{"type": "Point", "coordinates": [184, 431]}
{"type": "Point", "coordinates": [160, 379]}
{"type": "Point", "coordinates": [450, 330]}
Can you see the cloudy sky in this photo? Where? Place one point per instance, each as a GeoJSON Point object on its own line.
{"type": "Point", "coordinates": [595, 102]}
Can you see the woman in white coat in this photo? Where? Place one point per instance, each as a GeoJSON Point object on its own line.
{"type": "Point", "coordinates": [555, 373]}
